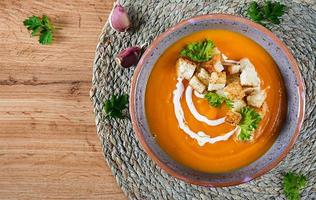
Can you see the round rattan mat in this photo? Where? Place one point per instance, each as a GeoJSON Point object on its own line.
{"type": "Point", "coordinates": [135, 172]}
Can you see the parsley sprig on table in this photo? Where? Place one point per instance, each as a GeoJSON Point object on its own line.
{"type": "Point", "coordinates": [292, 184]}
{"type": "Point", "coordinates": [249, 122]}
{"type": "Point", "coordinates": [114, 106]}
{"type": "Point", "coordinates": [270, 12]}
{"type": "Point", "coordinates": [43, 27]}
{"type": "Point", "coordinates": [216, 100]}
{"type": "Point", "coordinates": [198, 51]}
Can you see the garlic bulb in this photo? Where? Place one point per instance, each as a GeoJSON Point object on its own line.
{"type": "Point", "coordinates": [119, 19]}
{"type": "Point", "coordinates": [129, 56]}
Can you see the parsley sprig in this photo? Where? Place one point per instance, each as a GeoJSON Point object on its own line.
{"type": "Point", "coordinates": [292, 184]}
{"type": "Point", "coordinates": [115, 105]}
{"type": "Point", "coordinates": [249, 122]}
{"type": "Point", "coordinates": [43, 27]}
{"type": "Point", "coordinates": [199, 51]}
{"type": "Point", "coordinates": [269, 12]}
{"type": "Point", "coordinates": [216, 100]}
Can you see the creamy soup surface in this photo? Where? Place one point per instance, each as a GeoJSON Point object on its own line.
{"type": "Point", "coordinates": [225, 155]}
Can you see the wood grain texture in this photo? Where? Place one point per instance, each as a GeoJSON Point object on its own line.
{"type": "Point", "coordinates": [48, 143]}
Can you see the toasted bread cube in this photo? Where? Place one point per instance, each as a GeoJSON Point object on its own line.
{"type": "Point", "coordinates": [197, 85]}
{"type": "Point", "coordinates": [217, 81]}
{"type": "Point", "coordinates": [248, 76]}
{"type": "Point", "coordinates": [218, 77]}
{"type": "Point", "coordinates": [233, 78]}
{"type": "Point", "coordinates": [233, 69]}
{"type": "Point", "coordinates": [233, 118]}
{"type": "Point", "coordinates": [224, 57]}
{"type": "Point", "coordinates": [257, 98]}
{"type": "Point", "coordinates": [218, 66]}
{"type": "Point", "coordinates": [216, 51]}
{"type": "Point", "coordinates": [215, 86]}
{"type": "Point", "coordinates": [234, 91]}
{"type": "Point", "coordinates": [221, 92]}
{"type": "Point", "coordinates": [249, 90]}
{"type": "Point", "coordinates": [204, 76]}
{"type": "Point", "coordinates": [214, 77]}
{"type": "Point", "coordinates": [208, 66]}
{"type": "Point", "coordinates": [245, 63]}
{"type": "Point", "coordinates": [214, 64]}
{"type": "Point", "coordinates": [221, 78]}
{"type": "Point", "coordinates": [263, 109]}
{"type": "Point", "coordinates": [238, 105]}
{"type": "Point", "coordinates": [185, 68]}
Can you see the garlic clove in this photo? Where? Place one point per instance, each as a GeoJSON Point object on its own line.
{"type": "Point", "coordinates": [129, 56]}
{"type": "Point", "coordinates": [119, 19]}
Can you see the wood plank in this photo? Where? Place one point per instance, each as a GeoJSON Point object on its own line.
{"type": "Point", "coordinates": [48, 143]}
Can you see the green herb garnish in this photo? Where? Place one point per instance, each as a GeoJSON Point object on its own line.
{"type": "Point", "coordinates": [270, 12]}
{"type": "Point", "coordinates": [292, 184]}
{"type": "Point", "coordinates": [199, 51]}
{"type": "Point", "coordinates": [216, 100]}
{"type": "Point", "coordinates": [114, 106]}
{"type": "Point", "coordinates": [43, 27]}
{"type": "Point", "coordinates": [249, 122]}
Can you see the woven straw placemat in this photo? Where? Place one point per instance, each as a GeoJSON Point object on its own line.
{"type": "Point", "coordinates": [135, 172]}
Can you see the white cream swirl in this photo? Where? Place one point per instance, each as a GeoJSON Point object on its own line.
{"type": "Point", "coordinates": [196, 114]}
{"type": "Point", "coordinates": [201, 137]}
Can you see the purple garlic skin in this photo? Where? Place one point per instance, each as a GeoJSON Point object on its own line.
{"type": "Point", "coordinates": [119, 19]}
{"type": "Point", "coordinates": [129, 56]}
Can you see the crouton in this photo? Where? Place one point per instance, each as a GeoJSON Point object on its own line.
{"type": "Point", "coordinates": [238, 105]}
{"type": "Point", "coordinates": [185, 68]}
{"type": "Point", "coordinates": [218, 66]}
{"type": "Point", "coordinates": [234, 91]}
{"type": "Point", "coordinates": [233, 69]}
{"type": "Point", "coordinates": [248, 76]}
{"type": "Point", "coordinates": [208, 66]}
{"type": "Point", "coordinates": [233, 118]}
{"type": "Point", "coordinates": [245, 63]}
{"type": "Point", "coordinates": [216, 51]}
{"type": "Point", "coordinates": [249, 90]}
{"type": "Point", "coordinates": [221, 92]}
{"type": "Point", "coordinates": [197, 85]}
{"type": "Point", "coordinates": [217, 81]}
{"type": "Point", "coordinates": [262, 110]}
{"type": "Point", "coordinates": [230, 62]}
{"type": "Point", "coordinates": [256, 98]}
{"type": "Point", "coordinates": [233, 78]}
{"type": "Point", "coordinates": [214, 64]}
{"type": "Point", "coordinates": [204, 76]}
{"type": "Point", "coordinates": [215, 86]}
{"type": "Point", "coordinates": [224, 57]}
{"type": "Point", "coordinates": [218, 77]}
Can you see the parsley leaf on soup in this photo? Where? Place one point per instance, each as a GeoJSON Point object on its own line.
{"type": "Point", "coordinates": [198, 51]}
{"type": "Point", "coordinates": [249, 122]}
{"type": "Point", "coordinates": [115, 105]}
{"type": "Point", "coordinates": [216, 100]}
{"type": "Point", "coordinates": [269, 12]}
{"type": "Point", "coordinates": [292, 183]}
{"type": "Point", "coordinates": [43, 27]}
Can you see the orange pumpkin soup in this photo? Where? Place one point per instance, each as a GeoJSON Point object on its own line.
{"type": "Point", "coordinates": [221, 156]}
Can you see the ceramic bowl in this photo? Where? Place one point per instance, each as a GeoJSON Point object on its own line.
{"type": "Point", "coordinates": [294, 89]}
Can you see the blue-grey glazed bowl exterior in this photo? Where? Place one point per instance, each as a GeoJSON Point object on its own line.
{"type": "Point", "coordinates": [287, 67]}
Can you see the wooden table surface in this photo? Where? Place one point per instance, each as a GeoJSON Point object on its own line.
{"type": "Point", "coordinates": [48, 143]}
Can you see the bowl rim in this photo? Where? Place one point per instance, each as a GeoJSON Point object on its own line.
{"type": "Point", "coordinates": [275, 39]}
